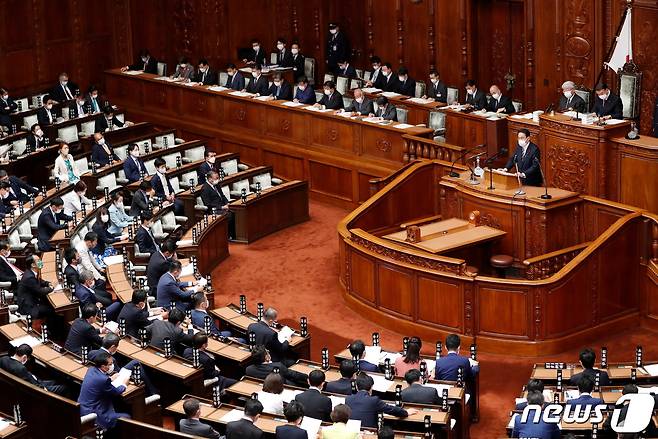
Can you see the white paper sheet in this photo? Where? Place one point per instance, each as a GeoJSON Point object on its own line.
{"type": "Point", "coordinates": [336, 400]}
{"type": "Point", "coordinates": [262, 98]}
{"type": "Point", "coordinates": [571, 394]}
{"type": "Point", "coordinates": [381, 384]}
{"type": "Point", "coordinates": [242, 94]}
{"type": "Point", "coordinates": [373, 354]}
{"type": "Point", "coordinates": [439, 387]}
{"type": "Point", "coordinates": [112, 326]}
{"type": "Point", "coordinates": [354, 425]}
{"type": "Point", "coordinates": [121, 376]}
{"type": "Point", "coordinates": [420, 100]}
{"type": "Point", "coordinates": [133, 72]}
{"type": "Point", "coordinates": [187, 270]}
{"type": "Point", "coordinates": [26, 339]}
{"type": "Point", "coordinates": [285, 334]}
{"type": "Point", "coordinates": [289, 394]}
{"type": "Point", "coordinates": [292, 104]}
{"type": "Point", "coordinates": [218, 88]}
{"type": "Point", "coordinates": [371, 89]}
{"type": "Point", "coordinates": [183, 242]}
{"type": "Point", "coordinates": [233, 415]}
{"type": "Point", "coordinates": [311, 425]}
{"type": "Point", "coordinates": [403, 126]}
{"type": "Point", "coordinates": [372, 119]}
{"type": "Point", "coordinates": [390, 94]}
{"type": "Point", "coordinates": [111, 260]}
{"type": "Point", "coordinates": [614, 121]}
{"type": "Point", "coordinates": [652, 369]}
{"type": "Point", "coordinates": [4, 424]}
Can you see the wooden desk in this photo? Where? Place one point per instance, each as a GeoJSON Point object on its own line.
{"type": "Point", "coordinates": [418, 112]}
{"type": "Point", "coordinates": [472, 129]}
{"type": "Point", "coordinates": [634, 174]}
{"type": "Point", "coordinates": [12, 431]}
{"type": "Point", "coordinates": [211, 245]}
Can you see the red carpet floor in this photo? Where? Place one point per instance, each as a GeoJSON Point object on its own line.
{"type": "Point", "coordinates": [296, 271]}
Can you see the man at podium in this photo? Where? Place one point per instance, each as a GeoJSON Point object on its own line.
{"type": "Point", "coordinates": [527, 159]}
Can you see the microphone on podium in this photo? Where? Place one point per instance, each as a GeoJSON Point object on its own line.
{"type": "Point", "coordinates": [545, 195]}
{"type": "Point", "coordinates": [452, 172]}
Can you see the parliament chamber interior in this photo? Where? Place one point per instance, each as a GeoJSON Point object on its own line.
{"type": "Point", "coordinates": [302, 219]}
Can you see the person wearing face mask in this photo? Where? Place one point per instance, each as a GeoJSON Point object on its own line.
{"type": "Point", "coordinates": [108, 122]}
{"type": "Point", "coordinates": [527, 158]}
{"type": "Point", "coordinates": [64, 90]}
{"type": "Point", "coordinates": [144, 62]}
{"type": "Point", "coordinates": [104, 247]}
{"type": "Point", "coordinates": [257, 55]}
{"type": "Point", "coordinates": [184, 70]}
{"type": "Point", "coordinates": [133, 166]}
{"type": "Point", "coordinates": [570, 101]}
{"type": "Point", "coordinates": [208, 165]}
{"type": "Point", "coordinates": [136, 313]}
{"type": "Point", "coordinates": [499, 103]}
{"type": "Point", "coordinates": [264, 331]}
{"type": "Point", "coordinates": [79, 106]}
{"type": "Point", "coordinates": [280, 89]}
{"type": "Point", "coordinates": [83, 332]}
{"type": "Point", "coordinates": [298, 61]}
{"type": "Point", "coordinates": [7, 107]}
{"type": "Point", "coordinates": [19, 191]}
{"type": "Point", "coordinates": [283, 55]}
{"type": "Point", "coordinates": [74, 199]}
{"type": "Point", "coordinates": [389, 81]}
{"type": "Point", "coordinates": [475, 98]}
{"type": "Point", "coordinates": [8, 271]}
{"type": "Point", "coordinates": [205, 75]}
{"type": "Point", "coordinates": [607, 105]}
{"type": "Point", "coordinates": [85, 293]}
{"type": "Point", "coordinates": [376, 78]}
{"type": "Point", "coordinates": [331, 98]}
{"type": "Point", "coordinates": [119, 219]}
{"type": "Point", "coordinates": [346, 69]}
{"type": "Point", "coordinates": [101, 151]}
{"type": "Point", "coordinates": [436, 89]}
{"type": "Point", "coordinates": [170, 288]}
{"type": "Point", "coordinates": [199, 314]}
{"type": "Point", "coordinates": [304, 93]}
{"type": "Point", "coordinates": [36, 141]}
{"type": "Point", "coordinates": [361, 104]}
{"type": "Point", "coordinates": [47, 115]}
{"type": "Point", "coordinates": [159, 264]}
{"type": "Point", "coordinates": [258, 84]}
{"type": "Point", "coordinates": [406, 85]}
{"type": "Point", "coordinates": [15, 362]}
{"type": "Point", "coordinates": [66, 170]}
{"type": "Point", "coordinates": [163, 188]}
{"type": "Point", "coordinates": [98, 391]}
{"type": "Point", "coordinates": [92, 100]}
{"type": "Point", "coordinates": [73, 269]}
{"type": "Point", "coordinates": [32, 292]}
{"type": "Point", "coordinates": [213, 198]}
{"type": "Point", "coordinates": [337, 47]}
{"type": "Point", "coordinates": [141, 199]}
{"type": "Point", "coordinates": [234, 80]}
{"type": "Point", "coordinates": [385, 109]}
{"type": "Point", "coordinates": [6, 205]}
{"type": "Point", "coordinates": [50, 221]}
{"type": "Point", "coordinates": [144, 238]}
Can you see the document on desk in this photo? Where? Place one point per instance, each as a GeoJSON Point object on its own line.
{"type": "Point", "coordinates": [353, 425]}
{"type": "Point", "coordinates": [391, 94]}
{"type": "Point", "coordinates": [420, 101]}
{"type": "Point", "coordinates": [289, 394]}
{"type": "Point", "coordinates": [371, 90]}
{"type": "Point", "coordinates": [311, 425]}
{"type": "Point", "coordinates": [233, 415]}
{"type": "Point", "coordinates": [183, 242]}
{"type": "Point", "coordinates": [285, 334]}
{"type": "Point", "coordinates": [373, 354]}
{"type": "Point", "coordinates": [189, 84]}
{"type": "Point", "coordinates": [439, 387]}
{"type": "Point", "coordinates": [380, 383]}
{"type": "Point", "coordinates": [218, 88]}
{"type": "Point", "coordinates": [292, 104]}
{"type": "Point", "coordinates": [336, 400]}
{"type": "Point", "coordinates": [522, 116]}
{"type": "Point", "coordinates": [403, 126]}
{"type": "Point", "coordinates": [614, 121]}
{"type": "Point", "coordinates": [112, 260]}
{"type": "Point", "coordinates": [319, 110]}
{"type": "Point", "coordinates": [372, 119]}
{"type": "Point", "coordinates": [241, 94]}
{"type": "Point", "coordinates": [345, 114]}
{"type": "Point", "coordinates": [263, 98]}
{"type": "Point", "coordinates": [4, 424]}
{"type": "Point", "coordinates": [133, 72]}
{"type": "Point", "coordinates": [652, 369]}
{"type": "Point", "coordinates": [121, 377]}
{"type": "Point", "coordinates": [26, 339]}
{"type": "Point", "coordinates": [112, 326]}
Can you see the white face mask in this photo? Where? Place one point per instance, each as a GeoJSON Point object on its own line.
{"type": "Point", "coordinates": [105, 218]}
{"type": "Point", "coordinates": [144, 59]}
{"type": "Point", "coordinates": [256, 48]}
{"type": "Point", "coordinates": [495, 96]}
{"type": "Point", "coordinates": [119, 205]}
{"type": "Point", "coordinates": [470, 92]}
{"type": "Point", "coordinates": [522, 142]}
{"type": "Point", "coordinates": [604, 96]}
{"type": "Point", "coordinates": [567, 93]}
{"type": "Point", "coordinates": [294, 51]}
{"type": "Point", "coordinates": [302, 87]}
{"type": "Point", "coordinates": [182, 66]}
{"type": "Point", "coordinates": [135, 153]}
{"type": "Point", "coordinates": [39, 133]}
{"type": "Point", "coordinates": [203, 69]}
{"type": "Point", "coordinates": [8, 253]}
{"type": "Point", "coordinates": [49, 106]}
{"type": "Point", "coordinates": [101, 141]}
{"type": "Point", "coordinates": [279, 46]}
{"type": "Point", "coordinates": [64, 83]}
{"type": "Point", "coordinates": [359, 100]}
{"type": "Point", "coordinates": [162, 170]}
{"type": "Point", "coordinates": [327, 92]}
{"type": "Point", "coordinates": [333, 31]}
{"type": "Point", "coordinates": [111, 369]}
{"type": "Point", "coordinates": [95, 95]}
{"type": "Point", "coordinates": [5, 97]}
{"type": "Point", "coordinates": [255, 75]}
{"type": "Point", "coordinates": [402, 78]}
{"type": "Point", "coordinates": [211, 159]}
{"type": "Point", "coordinates": [434, 81]}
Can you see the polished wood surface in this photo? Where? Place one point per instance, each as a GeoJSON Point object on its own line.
{"type": "Point", "coordinates": [473, 129]}
{"type": "Point", "coordinates": [211, 244]}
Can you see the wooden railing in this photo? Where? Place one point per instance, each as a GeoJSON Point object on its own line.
{"type": "Point", "coordinates": [423, 148]}
{"type": "Point", "coordinates": [546, 265]}
{"type": "Point", "coordinates": [379, 182]}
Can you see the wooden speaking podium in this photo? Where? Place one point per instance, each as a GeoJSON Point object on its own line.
{"type": "Point", "coordinates": [500, 180]}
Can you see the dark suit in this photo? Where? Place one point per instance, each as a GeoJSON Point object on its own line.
{"type": "Point", "coordinates": [93, 104]}
{"type": "Point", "coordinates": [136, 318]}
{"type": "Point", "coordinates": [332, 102]}
{"type": "Point", "coordinates": [284, 58]}
{"type": "Point", "coordinates": [243, 429]}
{"type": "Point", "coordinates": [213, 197]}
{"type": "Point", "coordinates": [78, 110]}
{"type": "Point", "coordinates": [82, 333]}
{"type": "Point", "coordinates": [419, 394]}
{"type": "Point", "coordinates": [366, 366]}
{"type": "Point", "coordinates": [7, 274]}
{"type": "Point", "coordinates": [447, 367]}
{"type": "Point", "coordinates": [105, 238]}
{"type": "Point", "coordinates": [161, 329]}
{"type": "Point", "coordinates": [261, 371]}
{"type": "Point", "coordinates": [338, 49]}
{"type": "Point", "coordinates": [198, 318]}
{"type": "Point", "coordinates": [438, 92]}
{"type": "Point", "coordinates": [209, 77]}
{"type": "Point", "coordinates": [31, 296]}
{"type": "Point", "coordinates": [133, 169]}
{"type": "Point", "coordinates": [378, 80]}
{"type": "Point", "coordinates": [169, 289]}
{"type": "Point", "coordinates": [282, 92]}
{"type": "Point", "coordinates": [235, 82]}
{"type": "Point", "coordinates": [366, 408]}
{"type": "Point", "coordinates": [604, 379]}
{"type": "Point", "coordinates": [408, 87]}
{"type": "Point", "coordinates": [612, 107]}
{"type": "Point", "coordinates": [203, 170]}
{"type": "Point", "coordinates": [6, 108]}
{"type": "Point", "coordinates": [503, 102]}
{"type": "Point", "coordinates": [158, 186]}
{"type": "Point", "coordinates": [390, 113]}
{"type": "Point", "coordinates": [342, 386]}
{"type": "Point", "coordinates": [58, 93]}
{"type": "Point", "coordinates": [306, 96]}
{"type": "Point", "coordinates": [527, 164]}
{"type": "Point", "coordinates": [19, 190]}
{"type": "Point", "coordinates": [364, 108]}
{"type": "Point", "coordinates": [298, 65]}
{"type": "Point", "coordinates": [348, 72]}
{"type": "Point", "coordinates": [392, 83]}
{"type": "Point", "coordinates": [291, 431]}
{"type": "Point", "coordinates": [145, 240]}
{"type": "Point", "coordinates": [197, 428]}
{"type": "Point", "coordinates": [540, 430]}
{"type": "Point", "coordinates": [150, 66]}
{"type": "Point", "coordinates": [268, 337]}
{"type": "Point", "coordinates": [100, 156]}
{"type": "Point", "coordinates": [33, 143]}
{"type": "Point", "coordinates": [43, 119]}
{"type": "Point", "coordinates": [47, 225]}
{"type": "Point", "coordinates": [139, 203]}
{"type": "Point", "coordinates": [576, 103]}
{"type": "Point", "coordinates": [477, 100]}
{"type": "Point", "coordinates": [102, 124]}
{"type": "Point", "coordinates": [316, 405]}
{"type": "Point", "coordinates": [96, 396]}
{"type": "Point", "coordinates": [260, 86]}
{"type": "Point", "coordinates": [157, 266]}
{"type": "Point", "coordinates": [258, 57]}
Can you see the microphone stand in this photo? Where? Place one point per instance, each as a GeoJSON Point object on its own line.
{"type": "Point", "coordinates": [452, 173]}
{"type": "Point", "coordinates": [545, 195]}
{"type": "Point", "coordinates": [489, 162]}
{"type": "Point", "coordinates": [519, 191]}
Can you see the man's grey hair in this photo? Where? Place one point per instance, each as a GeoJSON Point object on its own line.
{"type": "Point", "coordinates": [568, 84]}
{"type": "Point", "coordinates": [86, 275]}
{"type": "Point", "coordinates": [270, 314]}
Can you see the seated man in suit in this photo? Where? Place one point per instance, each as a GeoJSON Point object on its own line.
{"type": "Point", "coordinates": [316, 405]}
{"type": "Point", "coordinates": [133, 166]}
{"type": "Point", "coordinates": [531, 429]}
{"type": "Point", "coordinates": [570, 101]}
{"type": "Point", "coordinates": [7, 107]}
{"type": "Point", "coordinates": [170, 289]}
{"type": "Point", "coordinates": [280, 89]}
{"type": "Point", "coordinates": [83, 332]}
{"type": "Point", "coordinates": [385, 109]}
{"type": "Point", "coordinates": [64, 90]}
{"type": "Point", "coordinates": [343, 385]}
{"type": "Point", "coordinates": [6, 206]}
{"type": "Point", "coordinates": [36, 140]}
{"type": "Point", "coordinates": [366, 407]}
{"type": "Point", "coordinates": [92, 99]}
{"type": "Point", "coordinates": [32, 291]}
{"type": "Point", "coordinates": [199, 314]}
{"type": "Point", "coordinates": [207, 361]}
{"type": "Point", "coordinates": [191, 424]}
{"type": "Point", "coordinates": [607, 105]}
{"type": "Point", "coordinates": [331, 98]}
{"type": "Point", "coordinates": [406, 85]}
{"type": "Point", "coordinates": [163, 188]}
{"type": "Point", "coordinates": [144, 238]}
{"type": "Point", "coordinates": [19, 191]}
{"type": "Point", "coordinates": [98, 392]}
{"type": "Point", "coordinates": [235, 80]}
{"type": "Point", "coordinates": [358, 350]}
{"type": "Point", "coordinates": [532, 386]}
{"type": "Point", "coordinates": [388, 81]}
{"type": "Point", "coordinates": [498, 102]}
{"type": "Point", "coordinates": [650, 431]}
{"type": "Point", "coordinates": [475, 98]}
{"type": "Point", "coordinates": [49, 222]}
{"type": "Point", "coordinates": [447, 367]}
{"type": "Point", "coordinates": [283, 55]}
{"type": "Point", "coordinates": [257, 56]}
{"type": "Point", "coordinates": [8, 271]}
{"type": "Point", "coordinates": [346, 69]}
{"type": "Point", "coordinates": [585, 388]}
{"type": "Point", "coordinates": [361, 105]}
{"type": "Point", "coordinates": [144, 62]}
{"type": "Point", "coordinates": [46, 115]}
{"type": "Point", "coordinates": [304, 93]}
{"type": "Point", "coordinates": [136, 313]}
{"type": "Point", "coordinates": [526, 160]}
{"type": "Point", "coordinates": [376, 75]}
{"type": "Point", "coordinates": [416, 392]}
{"type": "Point", "coordinates": [170, 328]}
{"type": "Point", "coordinates": [72, 272]}
{"type": "Point", "coordinates": [214, 199]}
{"type": "Point", "coordinates": [108, 122]}
{"type": "Point", "coordinates": [266, 335]}
{"type": "Point", "coordinates": [209, 158]}
{"type": "Point", "coordinates": [263, 365]}
{"type": "Point", "coordinates": [159, 264]}
{"type": "Point", "coordinates": [87, 258]}
{"type": "Point", "coordinates": [294, 413]}
{"type": "Point", "coordinates": [587, 359]}
{"type": "Point", "coordinates": [244, 428]}
{"type": "Point", "coordinates": [298, 62]}
{"type": "Point", "coordinates": [15, 362]}
{"type": "Point", "coordinates": [436, 89]}
{"type": "Point", "coordinates": [101, 152]}
{"type": "Point", "coordinates": [78, 107]}
{"type": "Point", "coordinates": [205, 75]}
{"type": "Point", "coordinates": [259, 84]}
{"type": "Point", "coordinates": [184, 70]}
{"type": "Point", "coordinates": [85, 293]}
{"type": "Point", "coordinates": [141, 199]}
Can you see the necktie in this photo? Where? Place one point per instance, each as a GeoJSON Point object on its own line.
{"type": "Point", "coordinates": [50, 116]}
{"type": "Point", "coordinates": [165, 186]}
{"type": "Point", "coordinates": [203, 78]}
{"type": "Point", "coordinates": [93, 100]}
{"type": "Point", "coordinates": [278, 89]}
{"type": "Point", "coordinates": [67, 93]}
{"type": "Point", "coordinates": [568, 102]}
{"type": "Point", "coordinates": [16, 270]}
{"type": "Point", "coordinates": [81, 110]}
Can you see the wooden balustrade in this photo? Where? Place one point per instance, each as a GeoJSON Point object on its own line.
{"type": "Point", "coordinates": [546, 265]}
{"type": "Point", "coordinates": [422, 148]}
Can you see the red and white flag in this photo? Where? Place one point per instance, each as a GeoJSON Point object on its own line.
{"type": "Point", "coordinates": [623, 52]}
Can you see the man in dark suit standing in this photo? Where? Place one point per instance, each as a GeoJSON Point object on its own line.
{"type": "Point", "coordinates": [15, 365]}
{"type": "Point", "coordinates": [65, 90]}
{"type": "Point", "coordinates": [416, 392]}
{"type": "Point", "coordinates": [331, 98]}
{"type": "Point", "coordinates": [235, 80]}
{"type": "Point", "coordinates": [570, 101]}
{"type": "Point", "coordinates": [607, 105]}
{"type": "Point", "coordinates": [385, 109]}
{"type": "Point", "coordinates": [337, 47]}
{"type": "Point", "coordinates": [144, 62]}
{"type": "Point", "coordinates": [268, 337]}
{"type": "Point", "coordinates": [82, 332]}
{"type": "Point", "coordinates": [8, 271]}
{"type": "Point", "coordinates": [101, 151]}
{"type": "Point", "coordinates": [436, 89]}
{"type": "Point", "coordinates": [475, 98]}
{"type": "Point", "coordinates": [407, 85]}
{"type": "Point", "coordinates": [213, 198]}
{"type": "Point", "coordinates": [207, 165]}
{"type": "Point", "coordinates": [170, 289]}
{"type": "Point", "coordinates": [361, 104]}
{"type": "Point", "coordinates": [49, 222]}
{"type": "Point", "coordinates": [280, 89]}
{"type": "Point", "coordinates": [294, 413]}
{"type": "Point", "coordinates": [7, 107]}
{"type": "Point", "coordinates": [527, 159]}
{"type": "Point", "coordinates": [133, 166]}
{"type": "Point", "coordinates": [366, 407]}
{"type": "Point", "coordinates": [298, 62]}
{"type": "Point", "coordinates": [346, 69]}
{"type": "Point", "coordinates": [159, 264]}
{"type": "Point", "coordinates": [263, 366]}
{"type": "Point", "coordinates": [316, 405]}
{"type": "Point", "coordinates": [144, 238]}
{"type": "Point", "coordinates": [32, 291]}
{"type": "Point", "coordinates": [343, 385]}
{"type": "Point", "coordinates": [283, 55]}
{"type": "Point", "coordinates": [191, 424]}
{"type": "Point", "coordinates": [304, 93]}
{"type": "Point", "coordinates": [136, 314]}
{"type": "Point", "coordinates": [244, 428]}
{"type": "Point", "coordinates": [259, 83]}
{"type": "Point", "coordinates": [46, 115]}
{"type": "Point", "coordinates": [205, 75]}
{"type": "Point", "coordinates": [498, 102]}
{"type": "Point", "coordinates": [257, 56]}
{"type": "Point", "coordinates": [587, 359]}
{"type": "Point", "coordinates": [141, 199]}
{"type": "Point", "coordinates": [19, 190]}
{"type": "Point", "coordinates": [447, 367]}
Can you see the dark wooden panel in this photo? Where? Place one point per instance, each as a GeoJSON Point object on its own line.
{"type": "Point", "coordinates": [289, 167]}
{"type": "Point", "coordinates": [363, 285]}
{"type": "Point", "coordinates": [57, 27]}
{"type": "Point", "coordinates": [565, 305]}
{"type": "Point", "coordinates": [329, 179]}
{"type": "Point", "coordinates": [440, 302]}
{"type": "Point", "coordinates": [395, 290]}
{"type": "Point", "coordinates": [499, 311]}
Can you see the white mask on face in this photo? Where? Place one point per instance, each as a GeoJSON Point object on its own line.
{"type": "Point", "coordinates": [144, 59]}
{"type": "Point", "coordinates": [211, 159]}
{"type": "Point", "coordinates": [495, 95]}
{"type": "Point", "coordinates": [39, 133]}
{"type": "Point", "coordinates": [359, 100]}
{"type": "Point", "coordinates": [119, 205]}
{"type": "Point", "coordinates": [277, 83]}
{"type": "Point", "coordinates": [327, 92]}
{"type": "Point", "coordinates": [522, 142]}
{"type": "Point", "coordinates": [64, 83]}
{"type": "Point", "coordinates": [333, 31]}
{"type": "Point", "coordinates": [5, 97]}
{"type": "Point", "coordinates": [301, 87]}
{"type": "Point", "coordinates": [105, 218]}
{"type": "Point", "coordinates": [294, 51]}
{"type": "Point", "coordinates": [567, 93]}
{"type": "Point", "coordinates": [135, 153]}
{"type": "Point", "coordinates": [255, 75]}
{"type": "Point", "coordinates": [162, 170]}
{"type": "Point", "coordinates": [49, 106]}
{"type": "Point", "coordinates": [604, 96]}
{"type": "Point", "coordinates": [203, 69]}
{"type": "Point", "coordinates": [402, 78]}
{"type": "Point", "coordinates": [279, 46]}
{"type": "Point", "coordinates": [101, 141]}
{"type": "Point", "coordinates": [256, 48]}
{"type": "Point", "coordinates": [470, 92]}
{"type": "Point", "coordinates": [434, 81]}
{"type": "Point", "coordinates": [182, 66]}
{"type": "Point", "coordinates": [111, 369]}
{"type": "Point", "coordinates": [95, 95]}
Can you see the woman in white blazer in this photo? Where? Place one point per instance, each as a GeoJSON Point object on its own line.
{"type": "Point", "coordinates": [118, 216]}
{"type": "Point", "coordinates": [65, 168]}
